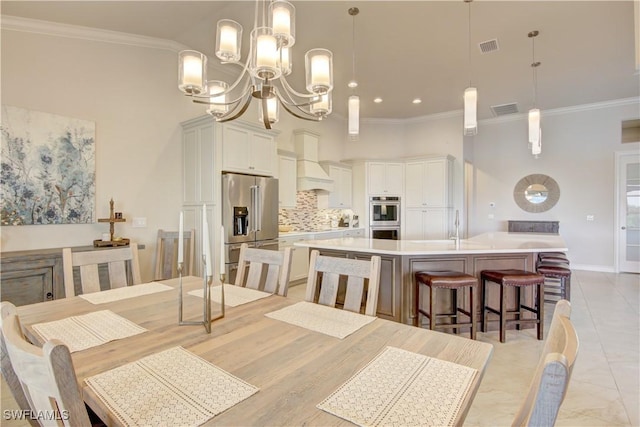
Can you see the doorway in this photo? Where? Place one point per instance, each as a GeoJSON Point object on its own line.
{"type": "Point", "coordinates": [628, 211]}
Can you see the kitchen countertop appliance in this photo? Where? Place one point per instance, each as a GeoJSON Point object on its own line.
{"type": "Point", "coordinates": [384, 217]}
{"type": "Point", "coordinates": [249, 215]}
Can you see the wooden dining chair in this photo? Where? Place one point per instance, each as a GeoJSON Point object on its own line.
{"type": "Point", "coordinates": [9, 375]}
{"type": "Point", "coordinates": [551, 378]}
{"type": "Point", "coordinates": [45, 375]}
{"type": "Point", "coordinates": [263, 269]}
{"type": "Point", "coordinates": [121, 262]}
{"type": "Point", "coordinates": [355, 271]}
{"type": "Point", "coordinates": [166, 260]}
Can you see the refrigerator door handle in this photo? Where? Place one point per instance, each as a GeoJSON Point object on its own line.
{"type": "Point", "coordinates": [252, 211]}
{"type": "Point", "coordinates": [258, 217]}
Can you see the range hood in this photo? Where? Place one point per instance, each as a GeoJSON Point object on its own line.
{"type": "Point", "coordinates": [311, 176]}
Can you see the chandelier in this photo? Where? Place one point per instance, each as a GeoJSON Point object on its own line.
{"type": "Point", "coordinates": [264, 72]}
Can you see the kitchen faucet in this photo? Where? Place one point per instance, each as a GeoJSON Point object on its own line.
{"type": "Point", "coordinates": [456, 236]}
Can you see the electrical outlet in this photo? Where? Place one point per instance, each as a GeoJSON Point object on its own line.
{"type": "Point", "coordinates": [139, 222]}
{"type": "Point", "coordinates": [590, 218]}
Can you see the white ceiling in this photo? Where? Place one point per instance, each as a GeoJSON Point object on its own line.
{"type": "Point", "coordinates": [408, 49]}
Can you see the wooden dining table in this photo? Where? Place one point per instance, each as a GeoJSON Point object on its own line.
{"type": "Point", "coordinates": [293, 367]}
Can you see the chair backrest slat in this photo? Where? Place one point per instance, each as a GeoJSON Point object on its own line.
{"type": "Point", "coordinates": [166, 259]}
{"type": "Point", "coordinates": [88, 262]}
{"type": "Point", "coordinates": [46, 375]}
{"type": "Point", "coordinates": [552, 375]}
{"type": "Point", "coordinates": [264, 269]}
{"type": "Point", "coordinates": [355, 270]}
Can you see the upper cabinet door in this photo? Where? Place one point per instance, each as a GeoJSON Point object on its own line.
{"type": "Point", "coordinates": [385, 179]}
{"type": "Point", "coordinates": [437, 182]}
{"type": "Point", "coordinates": [198, 166]}
{"type": "Point", "coordinates": [414, 184]}
{"type": "Point", "coordinates": [235, 148]}
{"type": "Point", "coordinates": [248, 150]}
{"type": "Point", "coordinates": [428, 182]}
{"type": "Point", "coordinates": [287, 181]}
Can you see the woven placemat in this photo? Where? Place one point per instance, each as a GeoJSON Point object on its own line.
{"type": "Point", "coordinates": [320, 318]}
{"type": "Point", "coordinates": [401, 388]}
{"type": "Point", "coordinates": [171, 388]}
{"type": "Point", "coordinates": [125, 293]}
{"type": "Point", "coordinates": [88, 330]}
{"type": "Point", "coordinates": [233, 295]}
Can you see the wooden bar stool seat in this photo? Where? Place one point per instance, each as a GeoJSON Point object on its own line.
{"type": "Point", "coordinates": [517, 279]}
{"type": "Point", "coordinates": [453, 281]}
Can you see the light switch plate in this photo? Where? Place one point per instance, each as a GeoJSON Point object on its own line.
{"type": "Point", "coordinates": [139, 222]}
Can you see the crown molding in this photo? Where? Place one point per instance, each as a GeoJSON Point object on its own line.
{"type": "Point", "coordinates": [15, 23]}
{"type": "Point", "coordinates": [566, 110]}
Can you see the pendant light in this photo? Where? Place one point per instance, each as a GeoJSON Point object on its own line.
{"type": "Point", "coordinates": [535, 131]}
{"type": "Point", "coordinates": [354, 100]}
{"type": "Point", "coordinates": [470, 93]}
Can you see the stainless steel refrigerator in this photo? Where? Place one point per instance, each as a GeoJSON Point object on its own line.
{"type": "Point", "coordinates": [249, 215]}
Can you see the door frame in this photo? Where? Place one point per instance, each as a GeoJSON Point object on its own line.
{"type": "Point", "coordinates": [617, 224]}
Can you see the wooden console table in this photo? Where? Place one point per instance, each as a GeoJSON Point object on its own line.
{"type": "Point", "coordinates": [28, 277]}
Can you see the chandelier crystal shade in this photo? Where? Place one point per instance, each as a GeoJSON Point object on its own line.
{"type": "Point", "coordinates": [470, 93]}
{"type": "Point", "coordinates": [263, 76]}
{"type": "Point", "coordinates": [535, 130]}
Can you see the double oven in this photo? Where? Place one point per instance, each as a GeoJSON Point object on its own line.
{"type": "Point", "coordinates": [384, 217]}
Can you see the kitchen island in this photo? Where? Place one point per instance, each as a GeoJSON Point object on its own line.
{"type": "Point", "coordinates": [401, 259]}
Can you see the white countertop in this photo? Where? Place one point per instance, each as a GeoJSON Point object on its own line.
{"type": "Point", "coordinates": [486, 243]}
{"type": "Point", "coordinates": [315, 232]}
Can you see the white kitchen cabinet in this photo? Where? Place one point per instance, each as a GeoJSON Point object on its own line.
{"type": "Point", "coordinates": [340, 197]}
{"type": "Point", "coordinates": [248, 149]}
{"type": "Point", "coordinates": [287, 176]}
{"type": "Point", "coordinates": [385, 178]}
{"type": "Point", "coordinates": [427, 223]}
{"type": "Point", "coordinates": [200, 177]}
{"type": "Point", "coordinates": [299, 256]}
{"type": "Point", "coordinates": [428, 182]}
{"type": "Point", "coordinates": [198, 168]}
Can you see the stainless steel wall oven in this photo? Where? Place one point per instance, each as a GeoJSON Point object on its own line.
{"type": "Point", "coordinates": [384, 217]}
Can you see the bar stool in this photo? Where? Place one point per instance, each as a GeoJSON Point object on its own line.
{"type": "Point", "coordinates": [555, 267]}
{"type": "Point", "coordinates": [517, 279]}
{"type": "Point", "coordinates": [559, 272]}
{"type": "Point", "coordinates": [453, 281]}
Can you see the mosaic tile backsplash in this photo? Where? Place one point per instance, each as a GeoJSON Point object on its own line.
{"type": "Point", "coordinates": [306, 215]}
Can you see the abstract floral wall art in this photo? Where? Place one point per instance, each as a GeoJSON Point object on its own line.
{"type": "Point", "coordinates": [48, 168]}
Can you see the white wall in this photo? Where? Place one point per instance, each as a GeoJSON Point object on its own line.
{"type": "Point", "coordinates": [578, 147]}
{"type": "Point", "coordinates": [130, 93]}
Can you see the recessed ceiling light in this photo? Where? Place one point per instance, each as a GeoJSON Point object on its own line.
{"type": "Point", "coordinates": [353, 84]}
{"type": "Point", "coordinates": [417, 101]}
{"type": "Point", "coordinates": [377, 100]}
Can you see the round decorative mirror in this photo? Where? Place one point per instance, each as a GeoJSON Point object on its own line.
{"type": "Point", "coordinates": [536, 193]}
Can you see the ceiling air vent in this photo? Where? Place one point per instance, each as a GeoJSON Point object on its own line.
{"type": "Point", "coordinates": [489, 46]}
{"type": "Point", "coordinates": [504, 109]}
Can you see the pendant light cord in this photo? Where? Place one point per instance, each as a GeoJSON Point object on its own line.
{"type": "Point", "coordinates": [469, 42]}
{"type": "Point", "coordinates": [353, 12]}
{"type": "Point", "coordinates": [534, 65]}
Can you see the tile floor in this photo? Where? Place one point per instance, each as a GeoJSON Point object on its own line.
{"type": "Point", "coordinates": [605, 385]}
{"type": "Point", "coordinates": [604, 389]}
